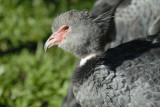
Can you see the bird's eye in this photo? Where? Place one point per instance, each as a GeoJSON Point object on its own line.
{"type": "Point", "coordinates": [66, 28]}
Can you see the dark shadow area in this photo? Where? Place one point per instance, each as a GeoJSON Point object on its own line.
{"type": "Point", "coordinates": [31, 46]}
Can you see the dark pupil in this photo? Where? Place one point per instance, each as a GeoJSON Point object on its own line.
{"type": "Point", "coordinates": [66, 28]}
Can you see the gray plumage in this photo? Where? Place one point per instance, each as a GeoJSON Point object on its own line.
{"type": "Point", "coordinates": [137, 19]}
{"type": "Point", "coordinates": [134, 18]}
{"type": "Point", "coordinates": [124, 76]}
{"type": "Point", "coordinates": [102, 6]}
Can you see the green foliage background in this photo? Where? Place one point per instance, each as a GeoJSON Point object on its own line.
{"type": "Point", "coordinates": [29, 77]}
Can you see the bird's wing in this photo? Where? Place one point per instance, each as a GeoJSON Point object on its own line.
{"type": "Point", "coordinates": [134, 78]}
{"type": "Point", "coordinates": [137, 19]}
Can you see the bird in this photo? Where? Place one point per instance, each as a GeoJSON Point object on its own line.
{"type": "Point", "coordinates": [127, 75]}
{"type": "Point", "coordinates": [143, 15]}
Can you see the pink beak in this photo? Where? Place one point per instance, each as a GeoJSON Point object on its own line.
{"type": "Point", "coordinates": [53, 40]}
{"type": "Point", "coordinates": [56, 38]}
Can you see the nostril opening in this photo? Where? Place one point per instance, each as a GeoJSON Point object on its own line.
{"type": "Point", "coordinates": [51, 39]}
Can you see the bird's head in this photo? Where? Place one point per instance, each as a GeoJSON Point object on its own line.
{"type": "Point", "coordinates": [79, 32]}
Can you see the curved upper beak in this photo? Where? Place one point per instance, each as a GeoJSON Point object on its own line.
{"type": "Point", "coordinates": [55, 39]}
{"type": "Point", "coordinates": [52, 41]}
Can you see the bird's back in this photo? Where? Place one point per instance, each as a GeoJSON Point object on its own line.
{"type": "Point", "coordinates": [136, 19]}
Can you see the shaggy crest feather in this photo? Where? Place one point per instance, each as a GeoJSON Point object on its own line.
{"type": "Point", "coordinates": [66, 17]}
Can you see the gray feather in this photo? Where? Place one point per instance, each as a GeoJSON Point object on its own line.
{"type": "Point", "coordinates": [155, 27]}
{"type": "Point", "coordinates": [103, 20]}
